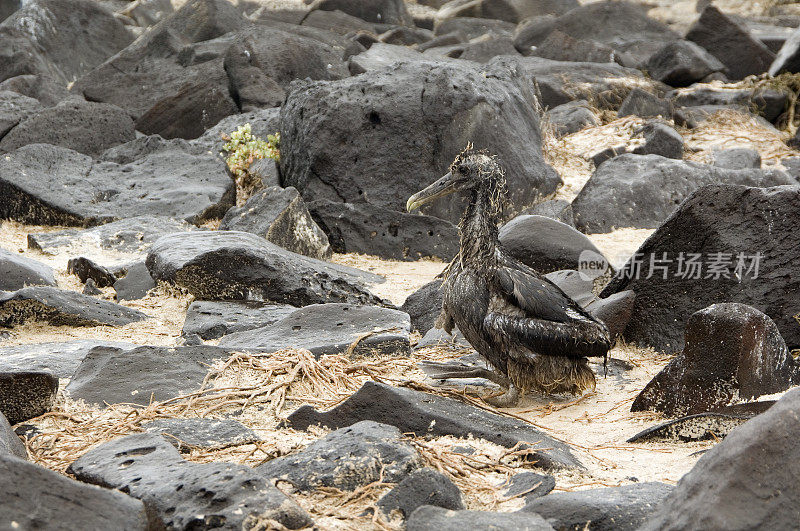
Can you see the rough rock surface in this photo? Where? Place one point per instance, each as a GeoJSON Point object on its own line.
{"type": "Point", "coordinates": [641, 191]}
{"type": "Point", "coordinates": [109, 375]}
{"type": "Point", "coordinates": [330, 329]}
{"type": "Point", "coordinates": [10, 443]}
{"type": "Point", "coordinates": [544, 243]}
{"type": "Point", "coordinates": [423, 413]}
{"type": "Point", "coordinates": [214, 319]}
{"type": "Point", "coordinates": [380, 11]}
{"type": "Point", "coordinates": [369, 229]}
{"type": "Point", "coordinates": [423, 487]}
{"type": "Point", "coordinates": [228, 265]}
{"type": "Point", "coordinates": [280, 216]}
{"type": "Point", "coordinates": [136, 283]}
{"type": "Point", "coordinates": [185, 434]}
{"type": "Point", "coordinates": [769, 103]}
{"type": "Point", "coordinates": [731, 43]}
{"type": "Point", "coordinates": [605, 85]}
{"type": "Point", "coordinates": [623, 26]}
{"type": "Point", "coordinates": [131, 236]}
{"type": "Point", "coordinates": [17, 271]}
{"type": "Point", "coordinates": [614, 508]}
{"type": "Point", "coordinates": [185, 495]}
{"type": "Point", "coordinates": [732, 352]}
{"type": "Point", "coordinates": [61, 359]}
{"type": "Point", "coordinates": [171, 64]}
{"type": "Point", "coordinates": [745, 482]}
{"type": "Point", "coordinates": [424, 306]}
{"type": "Point", "coordinates": [717, 219]}
{"type": "Point", "coordinates": [32, 496]}
{"type": "Point", "coordinates": [698, 427]}
{"type": "Point", "coordinates": [50, 185]}
{"type": "Point", "coordinates": [260, 64]}
{"type": "Point", "coordinates": [403, 126]}
{"type": "Point", "coordinates": [15, 108]}
{"type": "Point", "coordinates": [85, 127]}
{"type": "Point", "coordinates": [430, 518]}
{"type": "Point", "coordinates": [61, 39]}
{"type": "Point", "coordinates": [346, 459]}
{"type": "Point", "coordinates": [645, 105]}
{"type": "Point", "coordinates": [682, 63]}
{"type": "Point", "coordinates": [660, 139]}
{"type": "Point", "coordinates": [62, 307]}
{"type": "Point", "coordinates": [571, 117]}
{"type": "Point", "coordinates": [26, 394]}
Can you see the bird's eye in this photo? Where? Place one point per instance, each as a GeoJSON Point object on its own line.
{"type": "Point", "coordinates": [462, 170]}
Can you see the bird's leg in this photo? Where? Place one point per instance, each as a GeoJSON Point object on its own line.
{"type": "Point", "coordinates": [443, 371]}
{"type": "Point", "coordinates": [508, 399]}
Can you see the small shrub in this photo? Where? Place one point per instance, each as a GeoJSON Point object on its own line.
{"type": "Point", "coordinates": [241, 149]}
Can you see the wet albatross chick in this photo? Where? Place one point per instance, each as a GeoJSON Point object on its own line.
{"type": "Point", "coordinates": [533, 335]}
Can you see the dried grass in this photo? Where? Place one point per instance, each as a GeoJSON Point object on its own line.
{"type": "Point", "coordinates": [260, 390]}
{"type": "Point", "coordinates": [728, 129]}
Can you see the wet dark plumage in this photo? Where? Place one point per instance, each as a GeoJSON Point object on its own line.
{"type": "Point", "coordinates": [525, 327]}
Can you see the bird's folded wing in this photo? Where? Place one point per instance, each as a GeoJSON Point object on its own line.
{"type": "Point", "coordinates": [573, 340]}
{"type": "Point", "coordinates": [538, 297]}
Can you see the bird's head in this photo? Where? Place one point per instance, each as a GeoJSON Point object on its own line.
{"type": "Point", "coordinates": [470, 170]}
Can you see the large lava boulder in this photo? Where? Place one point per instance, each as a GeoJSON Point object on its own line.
{"type": "Point", "coordinates": [368, 229]}
{"type": "Point", "coordinates": [605, 85]}
{"type": "Point", "coordinates": [180, 494]}
{"type": "Point", "coordinates": [380, 11]}
{"type": "Point", "coordinates": [624, 26]}
{"type": "Point", "coordinates": [386, 134]}
{"type": "Point", "coordinates": [280, 215]}
{"type": "Point", "coordinates": [748, 481]}
{"type": "Point", "coordinates": [170, 67]}
{"type": "Point", "coordinates": [724, 243]}
{"type": "Point", "coordinates": [545, 244]}
{"type": "Point", "coordinates": [62, 39]}
{"type": "Point", "coordinates": [86, 127]}
{"type": "Point", "coordinates": [732, 352]}
{"type": "Point", "coordinates": [731, 43]}
{"type": "Point", "coordinates": [51, 185]}
{"type": "Point", "coordinates": [641, 191]}
{"type": "Point", "coordinates": [229, 265]}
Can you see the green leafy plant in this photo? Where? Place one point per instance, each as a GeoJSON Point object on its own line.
{"type": "Point", "coordinates": [241, 149]}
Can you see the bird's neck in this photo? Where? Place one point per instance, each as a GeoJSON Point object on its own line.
{"type": "Point", "coordinates": [478, 230]}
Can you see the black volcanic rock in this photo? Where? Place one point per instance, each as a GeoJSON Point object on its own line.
{"type": "Point", "coordinates": [330, 329]}
{"type": "Point", "coordinates": [643, 190]}
{"type": "Point", "coordinates": [731, 220]}
{"type": "Point", "coordinates": [347, 459]}
{"type": "Point", "coordinates": [745, 482]}
{"type": "Point", "coordinates": [226, 265]}
{"type": "Point", "coordinates": [62, 39]}
{"type": "Point", "coordinates": [398, 125]}
{"type": "Point", "coordinates": [109, 375]}
{"type": "Point", "coordinates": [185, 495]}
{"type": "Point", "coordinates": [85, 127]}
{"type": "Point", "coordinates": [732, 352]}
{"type": "Point", "coordinates": [425, 414]}
{"type": "Point", "coordinates": [32, 496]}
{"type": "Point", "coordinates": [62, 307]}
{"type": "Point", "coordinates": [368, 229]}
{"type": "Point", "coordinates": [731, 43]}
{"type": "Point", "coordinates": [17, 271]}
{"type": "Point", "coordinates": [25, 394]}
{"type": "Point", "coordinates": [279, 215]}
{"type": "Point", "coordinates": [50, 185]}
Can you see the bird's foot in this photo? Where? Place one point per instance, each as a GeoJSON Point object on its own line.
{"type": "Point", "coordinates": [443, 371]}
{"type": "Point", "coordinates": [508, 399]}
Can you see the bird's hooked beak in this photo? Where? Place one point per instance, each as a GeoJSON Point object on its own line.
{"type": "Point", "coordinates": [444, 186]}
